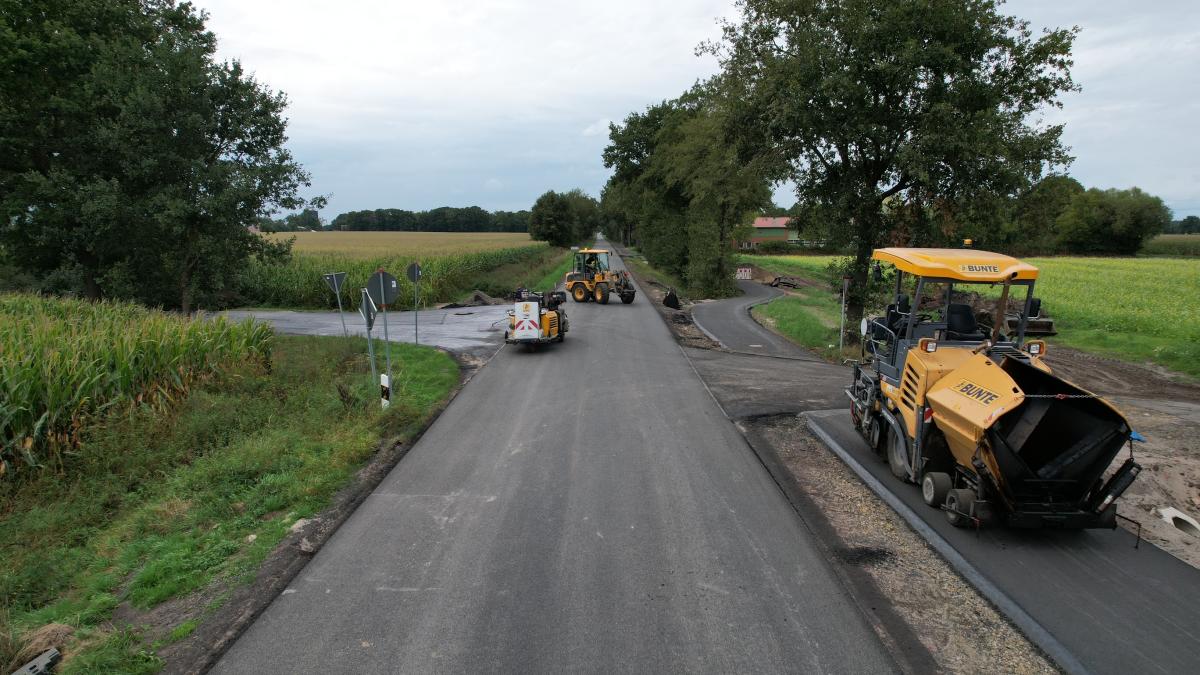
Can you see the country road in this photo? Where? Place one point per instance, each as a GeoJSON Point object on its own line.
{"type": "Point", "coordinates": [585, 508]}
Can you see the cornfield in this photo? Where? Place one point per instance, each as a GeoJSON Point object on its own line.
{"type": "Point", "coordinates": [63, 362]}
{"type": "Point", "coordinates": [443, 277]}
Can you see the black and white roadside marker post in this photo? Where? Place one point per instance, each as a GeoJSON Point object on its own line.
{"type": "Point", "coordinates": [366, 308]}
{"type": "Point", "coordinates": [334, 281]}
{"type": "Point", "coordinates": [414, 275]}
{"type": "Point", "coordinates": [383, 289]}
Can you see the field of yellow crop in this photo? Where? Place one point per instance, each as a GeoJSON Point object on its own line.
{"type": "Point", "coordinates": [360, 245]}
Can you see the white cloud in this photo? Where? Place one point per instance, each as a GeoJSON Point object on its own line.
{"type": "Point", "coordinates": [418, 104]}
{"type": "Point", "coordinates": [597, 128]}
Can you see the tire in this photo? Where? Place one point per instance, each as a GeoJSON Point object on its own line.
{"type": "Point", "coordinates": [579, 293]}
{"type": "Point", "coordinates": [895, 455]}
{"type": "Point", "coordinates": [934, 488]}
{"type": "Point", "coordinates": [628, 297]}
{"type": "Point", "coordinates": [601, 293]}
{"type": "Point", "coordinates": [958, 507]}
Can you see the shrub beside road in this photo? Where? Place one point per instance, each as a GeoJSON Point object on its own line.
{"type": "Point", "coordinates": [179, 503]}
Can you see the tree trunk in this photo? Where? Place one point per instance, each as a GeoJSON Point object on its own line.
{"type": "Point", "coordinates": [868, 230]}
{"type": "Point", "coordinates": [91, 287]}
{"type": "Point", "coordinates": [185, 288]}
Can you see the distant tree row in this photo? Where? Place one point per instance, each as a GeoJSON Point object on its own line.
{"type": "Point", "coordinates": [305, 221]}
{"type": "Point", "coordinates": [565, 218]}
{"type": "Point", "coordinates": [443, 219]}
{"type": "Point", "coordinates": [1188, 225]}
{"type": "Point", "coordinates": [1054, 216]}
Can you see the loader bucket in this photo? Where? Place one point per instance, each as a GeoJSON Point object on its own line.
{"type": "Point", "coordinates": [1055, 446]}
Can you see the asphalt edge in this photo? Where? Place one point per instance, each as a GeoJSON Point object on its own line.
{"type": "Point", "coordinates": [893, 632]}
{"type": "Point", "coordinates": [750, 313]}
{"type": "Point", "coordinates": [1032, 629]}
{"type": "Point", "coordinates": [218, 631]}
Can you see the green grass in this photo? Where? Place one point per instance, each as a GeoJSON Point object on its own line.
{"type": "Point", "coordinates": [803, 266]}
{"type": "Point", "coordinates": [1136, 309]}
{"type": "Point", "coordinates": [157, 503]}
{"type": "Point", "coordinates": [539, 272]}
{"type": "Point", "coordinates": [1175, 245]}
{"type": "Point", "coordinates": [809, 316]}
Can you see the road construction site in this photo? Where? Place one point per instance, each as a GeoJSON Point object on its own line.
{"type": "Point", "coordinates": [683, 490]}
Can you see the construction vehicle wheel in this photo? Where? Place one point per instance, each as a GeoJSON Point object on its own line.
{"type": "Point", "coordinates": [895, 455]}
{"type": "Point", "coordinates": [579, 293]}
{"type": "Point", "coordinates": [627, 297]}
{"type": "Point", "coordinates": [958, 507]}
{"type": "Point", "coordinates": [934, 487]}
{"type": "Point", "coordinates": [601, 294]}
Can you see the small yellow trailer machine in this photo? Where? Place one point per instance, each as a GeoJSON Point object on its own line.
{"type": "Point", "coordinates": [973, 414]}
{"type": "Point", "coordinates": [536, 318]}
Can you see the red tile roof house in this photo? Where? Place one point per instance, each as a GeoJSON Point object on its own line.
{"type": "Point", "coordinates": [770, 229]}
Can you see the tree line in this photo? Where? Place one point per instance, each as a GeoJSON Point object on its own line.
{"type": "Point", "coordinates": [1054, 216]}
{"type": "Point", "coordinates": [131, 159]}
{"type": "Point", "coordinates": [897, 121]}
{"type": "Point", "coordinates": [443, 219]}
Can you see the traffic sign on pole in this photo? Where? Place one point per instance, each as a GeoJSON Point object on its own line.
{"type": "Point", "coordinates": [334, 281]}
{"type": "Point", "coordinates": [384, 289]}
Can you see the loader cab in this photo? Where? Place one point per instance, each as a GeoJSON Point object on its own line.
{"type": "Point", "coordinates": [950, 299]}
{"type": "Point", "coordinates": [591, 262]}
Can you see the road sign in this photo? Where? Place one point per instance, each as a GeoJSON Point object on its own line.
{"type": "Point", "coordinates": [366, 307]}
{"type": "Point", "coordinates": [414, 272]}
{"type": "Point", "coordinates": [334, 280]}
{"type": "Point", "coordinates": [383, 288]}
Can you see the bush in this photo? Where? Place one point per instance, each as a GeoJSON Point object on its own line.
{"type": "Point", "coordinates": [776, 248]}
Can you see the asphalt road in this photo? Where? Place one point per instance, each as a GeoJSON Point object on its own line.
{"type": "Point", "coordinates": [476, 330]}
{"type": "Point", "coordinates": [1113, 607]}
{"type": "Point", "coordinates": [729, 322]}
{"type": "Point", "coordinates": [1110, 607]}
{"type": "Point", "coordinates": [584, 508]}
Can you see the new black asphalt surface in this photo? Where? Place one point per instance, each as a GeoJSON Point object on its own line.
{"type": "Point", "coordinates": [1107, 606]}
{"type": "Point", "coordinates": [585, 508]}
{"type": "Point", "coordinates": [729, 322]}
{"type": "Point", "coordinates": [1113, 607]}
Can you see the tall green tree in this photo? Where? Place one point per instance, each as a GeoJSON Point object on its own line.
{"type": "Point", "coordinates": [148, 159]}
{"type": "Point", "coordinates": [925, 102]}
{"type": "Point", "coordinates": [551, 220]}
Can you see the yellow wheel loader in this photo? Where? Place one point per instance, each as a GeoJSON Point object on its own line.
{"type": "Point", "coordinates": [591, 279]}
{"type": "Point", "coordinates": [974, 415]}
{"type": "Point", "coordinates": [536, 318]}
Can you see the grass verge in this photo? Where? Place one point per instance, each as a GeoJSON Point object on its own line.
{"type": "Point", "coordinates": [1134, 309]}
{"type": "Point", "coordinates": [539, 273]}
{"type": "Point", "coordinates": [158, 506]}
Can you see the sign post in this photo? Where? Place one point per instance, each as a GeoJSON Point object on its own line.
{"type": "Point", "coordinates": [842, 329]}
{"type": "Point", "coordinates": [414, 275]}
{"type": "Point", "coordinates": [334, 280]}
{"type": "Point", "coordinates": [366, 308]}
{"type": "Point", "coordinates": [383, 289]}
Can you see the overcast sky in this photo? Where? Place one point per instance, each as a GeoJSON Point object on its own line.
{"type": "Point", "coordinates": [414, 105]}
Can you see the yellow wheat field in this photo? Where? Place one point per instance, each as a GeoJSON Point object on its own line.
{"type": "Point", "coordinates": [395, 244]}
